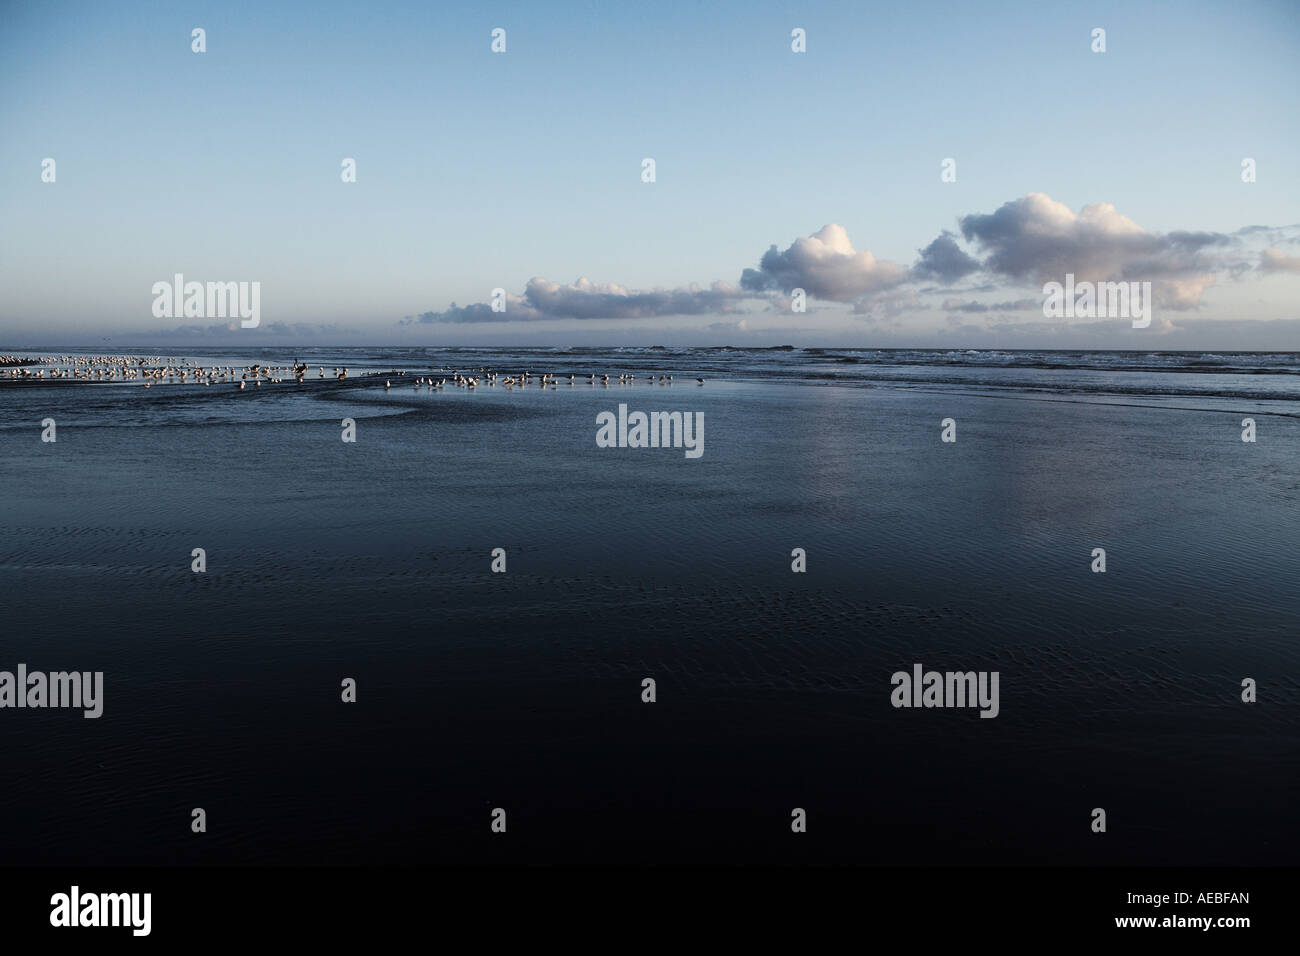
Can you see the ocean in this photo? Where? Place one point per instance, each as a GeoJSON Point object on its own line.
{"type": "Point", "coordinates": [523, 691]}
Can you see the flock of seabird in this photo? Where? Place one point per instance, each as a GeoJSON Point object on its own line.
{"type": "Point", "coordinates": [159, 371]}
{"type": "Point", "coordinates": [486, 376]}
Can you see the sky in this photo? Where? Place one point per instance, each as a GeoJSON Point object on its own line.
{"type": "Point", "coordinates": [773, 171]}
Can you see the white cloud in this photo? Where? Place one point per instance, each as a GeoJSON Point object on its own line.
{"type": "Point", "coordinates": [825, 265]}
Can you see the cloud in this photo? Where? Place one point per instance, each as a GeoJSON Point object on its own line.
{"type": "Point", "coordinates": [1181, 294]}
{"type": "Point", "coordinates": [478, 312]}
{"type": "Point", "coordinates": [1274, 260]}
{"type": "Point", "coordinates": [302, 328]}
{"type": "Point", "coordinates": [825, 265]}
{"type": "Point", "coordinates": [196, 331]}
{"type": "Point", "coordinates": [1022, 244]}
{"type": "Point", "coordinates": [1037, 238]}
{"type": "Point", "coordinates": [1273, 235]}
{"type": "Point", "coordinates": [887, 304]}
{"type": "Point", "coordinates": [584, 299]}
{"type": "Point", "coordinates": [299, 329]}
{"type": "Point", "coordinates": [956, 305]}
{"type": "Point", "coordinates": [944, 260]}
{"type": "Point", "coordinates": [739, 326]}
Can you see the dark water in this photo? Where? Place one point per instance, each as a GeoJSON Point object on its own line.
{"type": "Point", "coordinates": [522, 690]}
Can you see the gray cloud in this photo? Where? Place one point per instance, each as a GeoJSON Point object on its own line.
{"type": "Point", "coordinates": [1037, 238]}
{"type": "Point", "coordinates": [956, 305]}
{"type": "Point", "coordinates": [1274, 260]}
{"type": "Point", "coordinates": [1033, 239]}
{"type": "Point", "coordinates": [225, 329]}
{"type": "Point", "coordinates": [584, 299]}
{"type": "Point", "coordinates": [825, 265]}
{"type": "Point", "coordinates": [944, 260]}
{"type": "Point", "coordinates": [1273, 235]}
{"type": "Point", "coordinates": [886, 304]}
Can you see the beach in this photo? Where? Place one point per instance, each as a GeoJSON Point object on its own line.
{"type": "Point", "coordinates": [371, 560]}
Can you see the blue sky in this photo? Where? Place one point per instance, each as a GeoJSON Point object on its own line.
{"type": "Point", "coordinates": [477, 170]}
